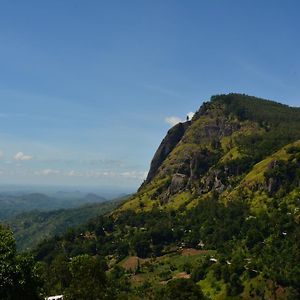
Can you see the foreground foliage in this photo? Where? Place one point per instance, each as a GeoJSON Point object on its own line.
{"type": "Point", "coordinates": [18, 273]}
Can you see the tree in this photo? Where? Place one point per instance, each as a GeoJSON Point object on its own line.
{"type": "Point", "coordinates": [56, 276]}
{"type": "Point", "coordinates": [18, 276]}
{"type": "Point", "coordinates": [88, 279]}
{"type": "Point", "coordinates": [141, 245]}
{"type": "Point", "coordinates": [180, 289]}
{"type": "Point", "coordinates": [234, 286]}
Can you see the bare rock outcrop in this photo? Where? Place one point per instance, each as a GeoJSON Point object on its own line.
{"type": "Point", "coordinates": [172, 138]}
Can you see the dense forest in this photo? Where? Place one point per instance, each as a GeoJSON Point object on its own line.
{"type": "Point", "coordinates": [31, 227]}
{"type": "Point", "coordinates": [217, 219]}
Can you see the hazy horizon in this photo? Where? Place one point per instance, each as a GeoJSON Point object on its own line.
{"type": "Point", "coordinates": [109, 192]}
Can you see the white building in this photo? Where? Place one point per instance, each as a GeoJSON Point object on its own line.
{"type": "Point", "coordinates": [58, 297]}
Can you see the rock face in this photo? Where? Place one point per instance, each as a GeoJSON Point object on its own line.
{"type": "Point", "coordinates": [218, 185]}
{"type": "Point", "coordinates": [273, 183]}
{"type": "Point", "coordinates": [172, 138]}
{"type": "Point", "coordinates": [178, 183]}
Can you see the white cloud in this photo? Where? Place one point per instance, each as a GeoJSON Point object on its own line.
{"type": "Point", "coordinates": [73, 173]}
{"type": "Point", "coordinates": [21, 156]}
{"type": "Point", "coordinates": [97, 174]}
{"type": "Point", "coordinates": [190, 115]}
{"type": "Point", "coordinates": [134, 175]}
{"type": "Point", "coordinates": [173, 120]}
{"type": "Point", "coordinates": [163, 91]}
{"type": "Point", "coordinates": [107, 174]}
{"type": "Point", "coordinates": [47, 172]}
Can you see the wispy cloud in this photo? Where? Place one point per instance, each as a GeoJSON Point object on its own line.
{"type": "Point", "coordinates": [20, 156]}
{"type": "Point", "coordinates": [93, 173]}
{"type": "Point", "coordinates": [64, 159]}
{"type": "Point", "coordinates": [264, 74]}
{"type": "Point", "coordinates": [47, 172]}
{"type": "Point", "coordinates": [173, 120]}
{"type": "Point", "coordinates": [135, 175]}
{"type": "Point", "coordinates": [73, 173]}
{"type": "Point", "coordinates": [163, 91]}
{"type": "Point", "coordinates": [141, 175]}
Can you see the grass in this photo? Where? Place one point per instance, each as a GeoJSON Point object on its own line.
{"type": "Point", "coordinates": [161, 269]}
{"type": "Point", "coordinates": [144, 200]}
{"type": "Point", "coordinates": [179, 199]}
{"type": "Point", "coordinates": [256, 175]}
{"type": "Point", "coordinates": [212, 288]}
{"type": "Point", "coordinates": [232, 154]}
{"type": "Point", "coordinates": [256, 178]}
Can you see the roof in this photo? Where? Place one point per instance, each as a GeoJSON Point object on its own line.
{"type": "Point", "coordinates": [57, 297]}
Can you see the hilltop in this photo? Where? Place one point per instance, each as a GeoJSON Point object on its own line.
{"type": "Point", "coordinates": [217, 151]}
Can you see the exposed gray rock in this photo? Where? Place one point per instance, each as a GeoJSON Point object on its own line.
{"type": "Point", "coordinates": [273, 183]}
{"type": "Point", "coordinates": [218, 185]}
{"type": "Point", "coordinates": [172, 138]}
{"type": "Point", "coordinates": [178, 183]}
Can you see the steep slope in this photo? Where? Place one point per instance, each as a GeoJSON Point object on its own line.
{"type": "Point", "coordinates": [172, 138]}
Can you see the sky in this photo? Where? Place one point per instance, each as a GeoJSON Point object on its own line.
{"type": "Point", "coordinates": [88, 89]}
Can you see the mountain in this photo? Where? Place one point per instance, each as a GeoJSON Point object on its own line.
{"type": "Point", "coordinates": [219, 212]}
{"type": "Point", "coordinates": [12, 205]}
{"type": "Point", "coordinates": [32, 227]}
{"type": "Point", "coordinates": [225, 139]}
{"type": "Point", "coordinates": [91, 197]}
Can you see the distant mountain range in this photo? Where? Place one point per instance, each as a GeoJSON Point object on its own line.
{"type": "Point", "coordinates": [30, 228]}
{"type": "Point", "coordinates": [12, 205]}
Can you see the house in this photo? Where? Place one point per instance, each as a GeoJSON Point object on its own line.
{"type": "Point", "coordinates": [58, 297]}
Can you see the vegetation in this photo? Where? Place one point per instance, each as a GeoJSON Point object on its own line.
{"type": "Point", "coordinates": [12, 205]}
{"type": "Point", "coordinates": [18, 273]}
{"type": "Point", "coordinates": [31, 227]}
{"type": "Point", "coordinates": [219, 218]}
{"type": "Point", "coordinates": [180, 289]}
{"type": "Point", "coordinates": [247, 246]}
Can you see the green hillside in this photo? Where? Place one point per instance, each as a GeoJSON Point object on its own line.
{"type": "Point", "coordinates": [226, 138]}
{"type": "Point", "coordinates": [30, 228]}
{"type": "Point", "coordinates": [217, 217]}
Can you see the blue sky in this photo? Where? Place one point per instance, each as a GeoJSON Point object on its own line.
{"type": "Point", "coordinates": [89, 88]}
